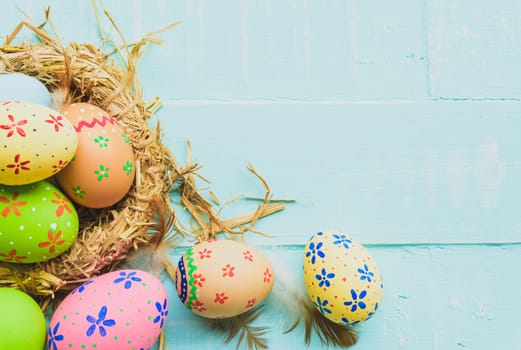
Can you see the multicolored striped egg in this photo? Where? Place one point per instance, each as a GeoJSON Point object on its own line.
{"type": "Point", "coordinates": [341, 278]}
{"type": "Point", "coordinates": [223, 278]}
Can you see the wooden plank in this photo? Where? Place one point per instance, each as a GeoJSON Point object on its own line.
{"type": "Point", "coordinates": [388, 173]}
{"type": "Point", "coordinates": [291, 49]}
{"type": "Point", "coordinates": [435, 297]}
{"type": "Point", "coordinates": [276, 49]}
{"type": "Point", "coordinates": [474, 51]}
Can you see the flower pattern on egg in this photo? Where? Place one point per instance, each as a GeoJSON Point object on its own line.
{"type": "Point", "coordinates": [337, 267]}
{"type": "Point", "coordinates": [222, 278]}
{"type": "Point", "coordinates": [84, 317]}
{"type": "Point", "coordinates": [99, 323]}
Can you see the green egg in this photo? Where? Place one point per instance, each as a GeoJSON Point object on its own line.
{"type": "Point", "coordinates": [22, 326]}
{"type": "Point", "coordinates": [37, 222]}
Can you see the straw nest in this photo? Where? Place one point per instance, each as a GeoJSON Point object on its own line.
{"type": "Point", "coordinates": [145, 217]}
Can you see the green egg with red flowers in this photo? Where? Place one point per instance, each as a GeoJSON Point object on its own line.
{"type": "Point", "coordinates": [37, 222]}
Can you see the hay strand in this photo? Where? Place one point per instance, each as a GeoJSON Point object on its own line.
{"type": "Point", "coordinates": [145, 217]}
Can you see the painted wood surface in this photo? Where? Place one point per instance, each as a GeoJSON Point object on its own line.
{"type": "Point", "coordinates": [397, 122]}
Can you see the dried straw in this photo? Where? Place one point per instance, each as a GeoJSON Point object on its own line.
{"type": "Point", "coordinates": [83, 72]}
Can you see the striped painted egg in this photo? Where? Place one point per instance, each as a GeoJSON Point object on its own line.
{"type": "Point", "coordinates": [103, 168]}
{"type": "Point", "coordinates": [223, 278]}
{"type": "Point", "coordinates": [341, 278]}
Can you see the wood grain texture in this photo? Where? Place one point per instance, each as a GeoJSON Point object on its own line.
{"type": "Point", "coordinates": [397, 122]}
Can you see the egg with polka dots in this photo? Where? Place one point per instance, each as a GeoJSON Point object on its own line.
{"type": "Point", "coordinates": [223, 278]}
{"type": "Point", "coordinates": [103, 168]}
{"type": "Point", "coordinates": [342, 279]}
{"type": "Point", "coordinates": [37, 222]}
{"type": "Point", "coordinates": [124, 309]}
{"type": "Point", "coordinates": [36, 142]}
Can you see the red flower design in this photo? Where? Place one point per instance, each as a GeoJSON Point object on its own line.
{"type": "Point", "coordinates": [199, 279]}
{"type": "Point", "coordinates": [17, 165]}
{"type": "Point", "coordinates": [198, 306]}
{"type": "Point", "coordinates": [205, 254]}
{"type": "Point", "coordinates": [12, 205]}
{"type": "Point", "coordinates": [11, 256]}
{"type": "Point", "coordinates": [54, 240]}
{"type": "Point", "coordinates": [247, 255]}
{"type": "Point", "coordinates": [58, 167]}
{"type": "Point", "coordinates": [220, 298]}
{"type": "Point", "coordinates": [63, 204]}
{"type": "Point", "coordinates": [267, 275]}
{"type": "Point", "coordinates": [228, 270]}
{"type": "Point", "coordinates": [251, 302]}
{"type": "Point", "coordinates": [14, 126]}
{"type": "Point", "coordinates": [56, 121]}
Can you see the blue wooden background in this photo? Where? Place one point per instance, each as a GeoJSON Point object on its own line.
{"type": "Point", "coordinates": [395, 121]}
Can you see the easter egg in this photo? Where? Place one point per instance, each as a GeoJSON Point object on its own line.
{"type": "Point", "coordinates": [125, 309]}
{"type": "Point", "coordinates": [341, 278]}
{"type": "Point", "coordinates": [37, 222]}
{"type": "Point", "coordinates": [22, 326]}
{"type": "Point", "coordinates": [223, 278]}
{"type": "Point", "coordinates": [36, 142]}
{"type": "Point", "coordinates": [103, 167]}
{"type": "Point", "coordinates": [22, 87]}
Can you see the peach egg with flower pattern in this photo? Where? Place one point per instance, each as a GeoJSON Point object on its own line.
{"type": "Point", "coordinates": [36, 142]}
{"type": "Point", "coordinates": [103, 168]}
{"type": "Point", "coordinates": [342, 279]}
{"type": "Point", "coordinates": [37, 222]}
{"type": "Point", "coordinates": [223, 278]}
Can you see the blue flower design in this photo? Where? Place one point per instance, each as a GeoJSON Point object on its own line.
{"type": "Point", "coordinates": [315, 251]}
{"type": "Point", "coordinates": [163, 313]}
{"type": "Point", "coordinates": [54, 337]}
{"type": "Point", "coordinates": [127, 278]}
{"type": "Point", "coordinates": [365, 274]}
{"type": "Point", "coordinates": [357, 300]}
{"type": "Point", "coordinates": [81, 288]}
{"type": "Point", "coordinates": [322, 306]}
{"type": "Point", "coordinates": [342, 240]}
{"type": "Point", "coordinates": [348, 323]}
{"type": "Point", "coordinates": [100, 323]}
{"type": "Point", "coordinates": [324, 278]}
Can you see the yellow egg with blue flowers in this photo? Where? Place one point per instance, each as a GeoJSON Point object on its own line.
{"type": "Point", "coordinates": [342, 279]}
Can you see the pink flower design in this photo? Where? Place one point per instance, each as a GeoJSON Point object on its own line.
{"type": "Point", "coordinates": [199, 279]}
{"type": "Point", "coordinates": [14, 126]}
{"type": "Point", "coordinates": [248, 255]}
{"type": "Point", "coordinates": [228, 270]}
{"type": "Point", "coordinates": [267, 275]}
{"type": "Point", "coordinates": [56, 121]}
{"type": "Point", "coordinates": [12, 205]}
{"type": "Point", "coordinates": [205, 254]}
{"type": "Point", "coordinates": [220, 298]}
{"type": "Point", "coordinates": [18, 165]}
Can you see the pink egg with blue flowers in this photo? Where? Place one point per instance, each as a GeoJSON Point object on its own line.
{"type": "Point", "coordinates": [124, 309]}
